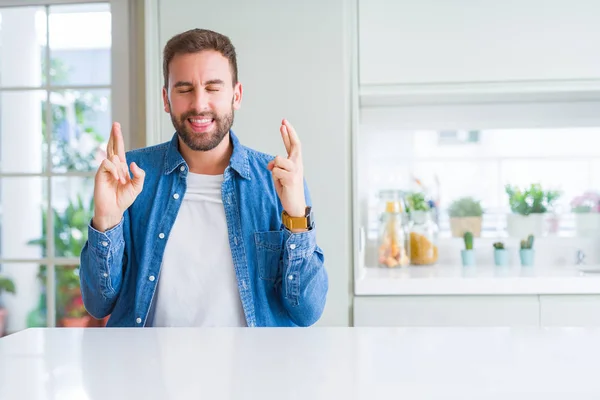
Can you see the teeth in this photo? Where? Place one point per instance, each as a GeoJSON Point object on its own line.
{"type": "Point", "coordinates": [201, 121]}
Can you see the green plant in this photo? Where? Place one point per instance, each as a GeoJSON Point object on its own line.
{"type": "Point", "coordinates": [468, 237]}
{"type": "Point", "coordinates": [527, 244]}
{"type": "Point", "coordinates": [465, 207]}
{"type": "Point", "coordinates": [499, 246]}
{"type": "Point", "coordinates": [7, 285]}
{"type": "Point", "coordinates": [531, 200]}
{"type": "Point", "coordinates": [70, 235]}
{"type": "Point", "coordinates": [415, 201]}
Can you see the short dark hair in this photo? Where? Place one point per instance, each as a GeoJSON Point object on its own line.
{"type": "Point", "coordinates": [196, 40]}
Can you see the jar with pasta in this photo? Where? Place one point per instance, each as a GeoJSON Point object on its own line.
{"type": "Point", "coordinates": [393, 237]}
{"type": "Point", "coordinates": [423, 238]}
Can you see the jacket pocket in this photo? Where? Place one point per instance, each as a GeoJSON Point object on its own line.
{"type": "Point", "coordinates": [269, 247]}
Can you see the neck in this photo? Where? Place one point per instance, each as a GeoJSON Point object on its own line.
{"type": "Point", "coordinates": [212, 162]}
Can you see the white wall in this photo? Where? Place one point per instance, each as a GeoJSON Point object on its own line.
{"type": "Point", "coordinates": [293, 60]}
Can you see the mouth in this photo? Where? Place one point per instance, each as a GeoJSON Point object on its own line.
{"type": "Point", "coordinates": [200, 124]}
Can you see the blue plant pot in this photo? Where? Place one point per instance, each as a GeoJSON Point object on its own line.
{"type": "Point", "coordinates": [527, 257]}
{"type": "Point", "coordinates": [501, 257]}
{"type": "Point", "coordinates": [468, 257]}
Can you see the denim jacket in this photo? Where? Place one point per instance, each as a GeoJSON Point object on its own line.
{"type": "Point", "coordinates": [280, 274]}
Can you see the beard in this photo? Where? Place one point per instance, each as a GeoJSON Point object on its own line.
{"type": "Point", "coordinates": [204, 141]}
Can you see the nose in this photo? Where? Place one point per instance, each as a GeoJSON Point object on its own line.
{"type": "Point", "coordinates": [200, 100]}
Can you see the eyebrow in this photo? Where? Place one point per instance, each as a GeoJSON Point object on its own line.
{"type": "Point", "coordinates": [210, 82]}
{"type": "Point", "coordinates": [183, 83]}
{"type": "Point", "coordinates": [215, 82]}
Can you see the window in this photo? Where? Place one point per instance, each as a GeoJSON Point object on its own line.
{"type": "Point", "coordinates": [55, 117]}
{"type": "Point", "coordinates": [479, 150]}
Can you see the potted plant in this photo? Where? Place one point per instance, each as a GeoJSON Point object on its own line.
{"type": "Point", "coordinates": [70, 235]}
{"type": "Point", "coordinates": [527, 253]}
{"type": "Point", "coordinates": [586, 208]}
{"type": "Point", "coordinates": [8, 286]}
{"type": "Point", "coordinates": [465, 216]}
{"type": "Point", "coordinates": [528, 207]}
{"type": "Point", "coordinates": [500, 254]}
{"type": "Point", "coordinates": [468, 254]}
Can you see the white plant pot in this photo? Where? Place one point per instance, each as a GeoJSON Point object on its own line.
{"type": "Point", "coordinates": [587, 224]}
{"type": "Point", "coordinates": [521, 226]}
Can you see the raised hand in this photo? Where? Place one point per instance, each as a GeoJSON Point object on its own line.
{"type": "Point", "coordinates": [114, 190]}
{"type": "Point", "coordinates": [288, 173]}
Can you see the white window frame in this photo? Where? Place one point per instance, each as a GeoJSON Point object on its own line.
{"type": "Point", "coordinates": [123, 91]}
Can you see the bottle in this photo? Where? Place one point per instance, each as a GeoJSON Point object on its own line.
{"type": "Point", "coordinates": [423, 238]}
{"type": "Point", "coordinates": [393, 237]}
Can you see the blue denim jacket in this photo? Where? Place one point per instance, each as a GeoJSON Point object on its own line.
{"type": "Point", "coordinates": [280, 274]}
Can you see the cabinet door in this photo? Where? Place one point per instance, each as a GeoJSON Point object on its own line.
{"type": "Point", "coordinates": [465, 41]}
{"type": "Point", "coordinates": [570, 310]}
{"type": "Point", "coordinates": [503, 311]}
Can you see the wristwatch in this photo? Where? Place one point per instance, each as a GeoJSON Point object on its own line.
{"type": "Point", "coordinates": [298, 222]}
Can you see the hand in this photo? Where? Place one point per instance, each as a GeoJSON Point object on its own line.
{"type": "Point", "coordinates": [288, 173]}
{"type": "Point", "coordinates": [114, 190]}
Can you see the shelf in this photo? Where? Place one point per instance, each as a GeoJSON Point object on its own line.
{"type": "Point", "coordinates": [479, 280]}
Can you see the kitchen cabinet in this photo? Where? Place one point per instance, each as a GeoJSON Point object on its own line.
{"type": "Point", "coordinates": [512, 311]}
{"type": "Point", "coordinates": [577, 310]}
{"type": "Point", "coordinates": [570, 310]}
{"type": "Point", "coordinates": [444, 43]}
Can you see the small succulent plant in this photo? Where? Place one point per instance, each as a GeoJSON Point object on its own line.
{"type": "Point", "coordinates": [499, 246]}
{"type": "Point", "coordinates": [468, 236]}
{"type": "Point", "coordinates": [527, 244]}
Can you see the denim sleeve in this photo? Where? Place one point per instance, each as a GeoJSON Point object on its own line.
{"type": "Point", "coordinates": [305, 281]}
{"type": "Point", "coordinates": [101, 271]}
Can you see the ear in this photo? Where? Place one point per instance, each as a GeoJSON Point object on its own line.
{"type": "Point", "coordinates": [237, 96]}
{"type": "Point", "coordinates": [166, 100]}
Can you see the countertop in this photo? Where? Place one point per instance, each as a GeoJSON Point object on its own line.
{"type": "Point", "coordinates": [314, 363]}
{"type": "Point", "coordinates": [477, 280]}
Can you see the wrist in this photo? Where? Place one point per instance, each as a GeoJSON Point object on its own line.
{"type": "Point", "coordinates": [301, 222]}
{"type": "Point", "coordinates": [105, 223]}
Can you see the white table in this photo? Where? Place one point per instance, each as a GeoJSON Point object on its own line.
{"type": "Point", "coordinates": [315, 363]}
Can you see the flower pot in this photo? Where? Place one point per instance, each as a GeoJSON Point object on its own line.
{"type": "Point", "coordinates": [3, 316]}
{"type": "Point", "coordinates": [521, 226]}
{"type": "Point", "coordinates": [468, 257]}
{"type": "Point", "coordinates": [460, 225]}
{"type": "Point", "coordinates": [75, 322]}
{"type": "Point", "coordinates": [500, 257]}
{"type": "Point", "coordinates": [527, 257]}
{"type": "Point", "coordinates": [587, 224]}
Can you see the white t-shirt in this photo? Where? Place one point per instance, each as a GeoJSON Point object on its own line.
{"type": "Point", "coordinates": [197, 285]}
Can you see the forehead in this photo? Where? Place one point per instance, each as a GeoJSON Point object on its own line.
{"type": "Point", "coordinates": [200, 66]}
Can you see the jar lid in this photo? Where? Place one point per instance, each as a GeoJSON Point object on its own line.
{"type": "Point", "coordinates": [393, 207]}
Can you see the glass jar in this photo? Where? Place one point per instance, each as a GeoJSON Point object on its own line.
{"type": "Point", "coordinates": [393, 237]}
{"type": "Point", "coordinates": [423, 239]}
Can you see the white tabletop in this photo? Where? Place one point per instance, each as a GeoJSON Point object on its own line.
{"type": "Point", "coordinates": [315, 363]}
{"type": "Point", "coordinates": [478, 280]}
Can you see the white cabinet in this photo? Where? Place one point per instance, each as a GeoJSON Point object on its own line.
{"type": "Point", "coordinates": [577, 310]}
{"type": "Point", "coordinates": [512, 311]}
{"type": "Point", "coordinates": [570, 310]}
{"type": "Point", "coordinates": [469, 41]}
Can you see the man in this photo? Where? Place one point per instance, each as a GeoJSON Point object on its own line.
{"type": "Point", "coordinates": [206, 232]}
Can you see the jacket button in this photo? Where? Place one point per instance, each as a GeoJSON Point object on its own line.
{"type": "Point", "coordinates": [138, 320]}
{"type": "Point", "coordinates": [151, 278]}
{"type": "Point", "coordinates": [161, 235]}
